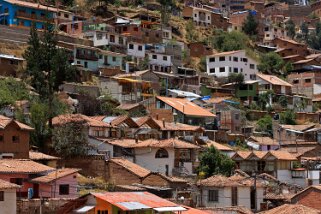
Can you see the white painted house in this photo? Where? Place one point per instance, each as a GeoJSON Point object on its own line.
{"type": "Point", "coordinates": [8, 197]}
{"type": "Point", "coordinates": [237, 190]}
{"type": "Point", "coordinates": [202, 16]}
{"type": "Point", "coordinates": [169, 156]}
{"type": "Point", "coordinates": [136, 50]}
{"type": "Point", "coordinates": [160, 62]}
{"type": "Point", "coordinates": [222, 64]}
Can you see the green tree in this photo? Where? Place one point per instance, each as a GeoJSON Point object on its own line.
{"type": "Point", "coordinates": [287, 117]}
{"type": "Point", "coordinates": [264, 124]}
{"type": "Point", "coordinates": [290, 28]}
{"type": "Point", "coordinates": [230, 41]}
{"type": "Point", "coordinates": [264, 99]}
{"type": "Point", "coordinates": [271, 63]}
{"type": "Point", "coordinates": [250, 25]}
{"type": "Point", "coordinates": [166, 10]}
{"type": "Point", "coordinates": [191, 35]}
{"type": "Point", "coordinates": [213, 162]}
{"type": "Point", "coordinates": [12, 90]}
{"type": "Point", "coordinates": [304, 31]}
{"type": "Point", "coordinates": [283, 101]}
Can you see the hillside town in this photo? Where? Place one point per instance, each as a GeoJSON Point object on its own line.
{"type": "Point", "coordinates": [160, 106]}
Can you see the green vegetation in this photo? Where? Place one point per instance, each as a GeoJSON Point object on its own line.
{"type": "Point", "coordinates": [271, 63]}
{"type": "Point", "coordinates": [314, 40]}
{"type": "Point", "coordinates": [213, 162]}
{"type": "Point", "coordinates": [287, 117]}
{"type": "Point", "coordinates": [250, 25]}
{"type": "Point", "coordinates": [290, 28]}
{"type": "Point", "coordinates": [264, 124]}
{"type": "Point", "coordinates": [12, 90]}
{"type": "Point", "coordinates": [230, 41]}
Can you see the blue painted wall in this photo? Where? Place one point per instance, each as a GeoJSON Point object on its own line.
{"type": "Point", "coordinates": [12, 20]}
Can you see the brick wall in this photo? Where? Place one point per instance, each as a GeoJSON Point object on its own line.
{"type": "Point", "coordinates": [26, 206]}
{"type": "Point", "coordinates": [90, 165]}
{"type": "Point", "coordinates": [118, 175]}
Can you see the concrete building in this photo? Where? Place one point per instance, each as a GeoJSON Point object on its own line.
{"type": "Point", "coordinates": [8, 197]}
{"type": "Point", "coordinates": [222, 64]}
{"type": "Point", "coordinates": [237, 190]}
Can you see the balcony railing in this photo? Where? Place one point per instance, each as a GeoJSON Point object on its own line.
{"type": "Point", "coordinates": [24, 15]}
{"type": "Point", "coordinates": [86, 57]}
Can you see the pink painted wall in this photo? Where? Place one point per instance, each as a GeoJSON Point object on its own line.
{"type": "Point", "coordinates": [25, 185]}
{"type": "Point", "coordinates": [49, 190]}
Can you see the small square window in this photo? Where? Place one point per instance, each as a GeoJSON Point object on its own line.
{"type": "Point", "coordinates": [213, 195]}
{"type": "Point", "coordinates": [165, 58]}
{"type": "Point", "coordinates": [64, 189]}
{"type": "Point", "coordinates": [154, 56]}
{"type": "Point", "coordinates": [212, 59]}
{"type": "Point", "coordinates": [15, 139]}
{"type": "Point", "coordinates": [140, 48]}
{"type": "Point", "coordinates": [131, 46]}
{"type": "Point", "coordinates": [307, 80]}
{"type": "Point", "coordinates": [222, 58]}
{"type": "Point", "coordinates": [222, 69]}
{"type": "Point", "coordinates": [235, 59]}
{"type": "Point", "coordinates": [114, 59]}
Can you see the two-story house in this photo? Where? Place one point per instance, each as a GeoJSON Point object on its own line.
{"type": "Point", "coordinates": [225, 63]}
{"type": "Point", "coordinates": [169, 156]}
{"type": "Point", "coordinates": [186, 111]}
{"type": "Point", "coordinates": [14, 138]}
{"type": "Point", "coordinates": [10, 64]}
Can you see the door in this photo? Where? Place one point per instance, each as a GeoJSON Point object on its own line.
{"type": "Point", "coordinates": [234, 196]}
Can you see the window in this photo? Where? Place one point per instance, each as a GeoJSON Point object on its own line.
{"type": "Point", "coordinates": [213, 195]}
{"type": "Point", "coordinates": [154, 56]}
{"type": "Point", "coordinates": [161, 153]}
{"type": "Point", "coordinates": [1, 195]}
{"type": "Point", "coordinates": [135, 28]}
{"type": "Point", "coordinates": [252, 66]}
{"type": "Point", "coordinates": [131, 46]}
{"type": "Point", "coordinates": [121, 40]}
{"type": "Point", "coordinates": [102, 211]}
{"type": "Point", "coordinates": [99, 36]}
{"type": "Point", "coordinates": [236, 116]}
{"type": "Point", "coordinates": [307, 80]}
{"type": "Point", "coordinates": [212, 59]}
{"type": "Point", "coordinates": [125, 28]}
{"type": "Point", "coordinates": [64, 189]}
{"type": "Point", "coordinates": [222, 69]}
{"type": "Point", "coordinates": [195, 15]}
{"type": "Point", "coordinates": [212, 70]}
{"type": "Point", "coordinates": [222, 58]}
{"type": "Point", "coordinates": [252, 76]}
{"type": "Point", "coordinates": [86, 65]}
{"type": "Point", "coordinates": [235, 70]}
{"type": "Point", "coordinates": [229, 58]}
{"type": "Point", "coordinates": [114, 59]}
{"type": "Point", "coordinates": [165, 58]}
{"type": "Point", "coordinates": [140, 48]}
{"type": "Point", "coordinates": [235, 59]}
{"type": "Point", "coordinates": [1, 138]}
{"type": "Point", "coordinates": [112, 38]}
{"type": "Point", "coordinates": [17, 181]}
{"type": "Point", "coordinates": [100, 56]}
{"type": "Point", "coordinates": [295, 81]}
{"type": "Point", "coordinates": [244, 60]}
{"type": "Point", "coordinates": [66, 16]}
{"type": "Point", "coordinates": [15, 139]}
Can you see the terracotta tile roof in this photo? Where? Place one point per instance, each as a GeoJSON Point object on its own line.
{"type": "Point", "coordinates": [234, 210]}
{"type": "Point", "coordinates": [227, 53]}
{"type": "Point", "coordinates": [128, 106]}
{"type": "Point", "coordinates": [78, 118]}
{"type": "Point", "coordinates": [98, 117]}
{"type": "Point", "coordinates": [218, 146]}
{"type": "Point", "coordinates": [223, 181]}
{"type": "Point", "coordinates": [34, 5]}
{"type": "Point", "coordinates": [7, 185]}
{"type": "Point", "coordinates": [166, 143]}
{"type": "Point", "coordinates": [145, 198]}
{"type": "Point", "coordinates": [274, 80]}
{"type": "Point", "coordinates": [177, 126]}
{"type": "Point", "coordinates": [130, 187]}
{"type": "Point", "coordinates": [55, 175]}
{"type": "Point", "coordinates": [123, 119]}
{"type": "Point", "coordinates": [242, 154]}
{"type": "Point", "coordinates": [125, 143]}
{"type": "Point", "coordinates": [281, 196]}
{"type": "Point", "coordinates": [4, 121]}
{"type": "Point", "coordinates": [264, 141]}
{"type": "Point", "coordinates": [172, 179]}
{"type": "Point", "coordinates": [216, 100]}
{"type": "Point", "coordinates": [186, 107]}
{"type": "Point", "coordinates": [22, 166]}
{"type": "Point", "coordinates": [33, 155]}
{"type": "Point", "coordinates": [130, 166]}
{"type": "Point", "coordinates": [191, 210]}
{"type": "Point", "coordinates": [291, 209]}
{"type": "Point", "coordinates": [281, 155]}
{"type": "Point", "coordinates": [298, 151]}
{"type": "Point", "coordinates": [140, 121]}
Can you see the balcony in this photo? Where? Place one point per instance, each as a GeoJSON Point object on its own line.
{"type": "Point", "coordinates": [86, 57]}
{"type": "Point", "coordinates": [33, 17]}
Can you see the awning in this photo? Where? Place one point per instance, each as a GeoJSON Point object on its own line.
{"type": "Point", "coordinates": [169, 209]}
{"type": "Point", "coordinates": [85, 209]}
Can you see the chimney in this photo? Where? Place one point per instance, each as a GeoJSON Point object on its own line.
{"type": "Point", "coordinates": [163, 122]}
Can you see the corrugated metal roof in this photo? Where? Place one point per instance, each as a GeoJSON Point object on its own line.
{"type": "Point", "coordinates": [133, 205]}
